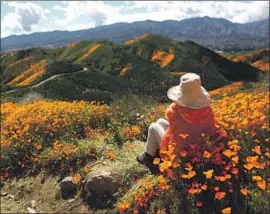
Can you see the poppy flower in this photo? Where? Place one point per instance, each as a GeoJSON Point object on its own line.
{"type": "Point", "coordinates": [208, 173]}
{"type": "Point", "coordinates": [220, 195]}
{"type": "Point", "coordinates": [227, 210]}
{"type": "Point", "coordinates": [244, 191]}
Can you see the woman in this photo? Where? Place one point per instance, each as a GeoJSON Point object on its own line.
{"type": "Point", "coordinates": [189, 116]}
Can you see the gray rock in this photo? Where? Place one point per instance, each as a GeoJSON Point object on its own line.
{"type": "Point", "coordinates": [103, 181]}
{"type": "Point", "coordinates": [11, 197]}
{"type": "Point", "coordinates": [21, 186]}
{"type": "Point", "coordinates": [3, 194]}
{"type": "Point", "coordinates": [33, 203]}
{"type": "Point", "coordinates": [71, 200]}
{"type": "Point", "coordinates": [19, 195]}
{"type": "Point", "coordinates": [68, 188]}
{"type": "Point", "coordinates": [30, 210]}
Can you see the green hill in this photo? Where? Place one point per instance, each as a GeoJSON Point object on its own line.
{"type": "Point", "coordinates": [148, 65]}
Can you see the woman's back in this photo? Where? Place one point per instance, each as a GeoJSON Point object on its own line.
{"type": "Point", "coordinates": [187, 125]}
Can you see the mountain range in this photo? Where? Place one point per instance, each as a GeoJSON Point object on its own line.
{"type": "Point", "coordinates": [90, 70]}
{"type": "Point", "coordinates": [216, 33]}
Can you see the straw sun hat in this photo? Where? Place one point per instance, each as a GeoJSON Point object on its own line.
{"type": "Point", "coordinates": [189, 93]}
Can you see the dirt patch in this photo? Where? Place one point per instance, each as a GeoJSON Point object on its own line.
{"type": "Point", "coordinates": [41, 193]}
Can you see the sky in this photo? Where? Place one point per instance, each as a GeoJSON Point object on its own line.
{"type": "Point", "coordinates": [24, 17]}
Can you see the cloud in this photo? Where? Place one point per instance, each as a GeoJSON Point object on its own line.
{"type": "Point", "coordinates": [76, 15]}
{"type": "Point", "coordinates": [25, 18]}
{"type": "Point", "coordinates": [85, 13]}
{"type": "Point", "coordinates": [235, 11]}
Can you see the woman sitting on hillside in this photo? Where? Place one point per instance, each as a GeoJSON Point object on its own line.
{"type": "Point", "coordinates": [189, 115]}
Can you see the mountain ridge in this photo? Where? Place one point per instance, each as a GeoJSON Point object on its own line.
{"type": "Point", "coordinates": [213, 32]}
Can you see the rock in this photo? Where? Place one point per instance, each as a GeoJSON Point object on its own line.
{"type": "Point", "coordinates": [21, 186]}
{"type": "Point", "coordinates": [71, 200]}
{"type": "Point", "coordinates": [29, 189]}
{"type": "Point", "coordinates": [19, 195]}
{"type": "Point", "coordinates": [30, 210]}
{"type": "Point", "coordinates": [11, 197]}
{"type": "Point", "coordinates": [3, 194]}
{"type": "Point", "coordinates": [103, 181]}
{"type": "Point", "coordinates": [33, 203]}
{"type": "Point", "coordinates": [68, 188]}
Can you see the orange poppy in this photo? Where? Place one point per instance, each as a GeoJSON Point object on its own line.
{"type": "Point", "coordinates": [204, 187]}
{"type": "Point", "coordinates": [220, 195]}
{"type": "Point", "coordinates": [244, 191]}
{"type": "Point", "coordinates": [227, 210]}
{"type": "Point", "coordinates": [208, 173]}
{"type": "Point", "coordinates": [183, 153]}
{"type": "Point", "coordinates": [257, 178]}
{"type": "Point", "coordinates": [199, 203]}
{"type": "Point", "coordinates": [249, 166]}
{"type": "Point", "coordinates": [261, 184]}
{"type": "Point", "coordinates": [257, 150]}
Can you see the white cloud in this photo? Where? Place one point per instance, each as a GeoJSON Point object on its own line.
{"type": "Point", "coordinates": [85, 13]}
{"type": "Point", "coordinates": [75, 15]}
{"type": "Point", "coordinates": [235, 11]}
{"type": "Point", "coordinates": [25, 18]}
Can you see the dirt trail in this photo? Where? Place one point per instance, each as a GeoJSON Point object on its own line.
{"type": "Point", "coordinates": [46, 80]}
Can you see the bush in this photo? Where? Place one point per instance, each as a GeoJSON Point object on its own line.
{"type": "Point", "coordinates": [30, 98]}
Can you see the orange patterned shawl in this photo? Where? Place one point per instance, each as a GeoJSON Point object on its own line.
{"type": "Point", "coordinates": [187, 121]}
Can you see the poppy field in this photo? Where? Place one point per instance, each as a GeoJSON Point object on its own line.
{"type": "Point", "coordinates": [225, 173]}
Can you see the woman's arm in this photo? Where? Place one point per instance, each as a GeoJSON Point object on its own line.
{"type": "Point", "coordinates": [171, 117]}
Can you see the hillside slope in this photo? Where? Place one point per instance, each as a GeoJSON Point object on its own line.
{"type": "Point", "coordinates": [259, 59]}
{"type": "Point", "coordinates": [149, 62]}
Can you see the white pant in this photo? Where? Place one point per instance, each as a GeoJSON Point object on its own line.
{"type": "Point", "coordinates": [156, 132]}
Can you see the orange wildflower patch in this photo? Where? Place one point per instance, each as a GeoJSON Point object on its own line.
{"type": "Point", "coordinates": [260, 64]}
{"type": "Point", "coordinates": [228, 88]}
{"type": "Point", "coordinates": [72, 45]}
{"type": "Point", "coordinates": [132, 41]}
{"type": "Point", "coordinates": [19, 61]}
{"type": "Point", "coordinates": [31, 78]}
{"type": "Point", "coordinates": [31, 74]}
{"type": "Point", "coordinates": [177, 73]}
{"type": "Point", "coordinates": [123, 71]}
{"type": "Point", "coordinates": [89, 52]}
{"type": "Point", "coordinates": [162, 58]}
{"type": "Point", "coordinates": [76, 178]}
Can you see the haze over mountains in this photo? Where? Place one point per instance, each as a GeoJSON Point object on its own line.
{"type": "Point", "coordinates": [216, 33]}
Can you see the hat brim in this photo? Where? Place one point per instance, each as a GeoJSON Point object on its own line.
{"type": "Point", "coordinates": [200, 101]}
